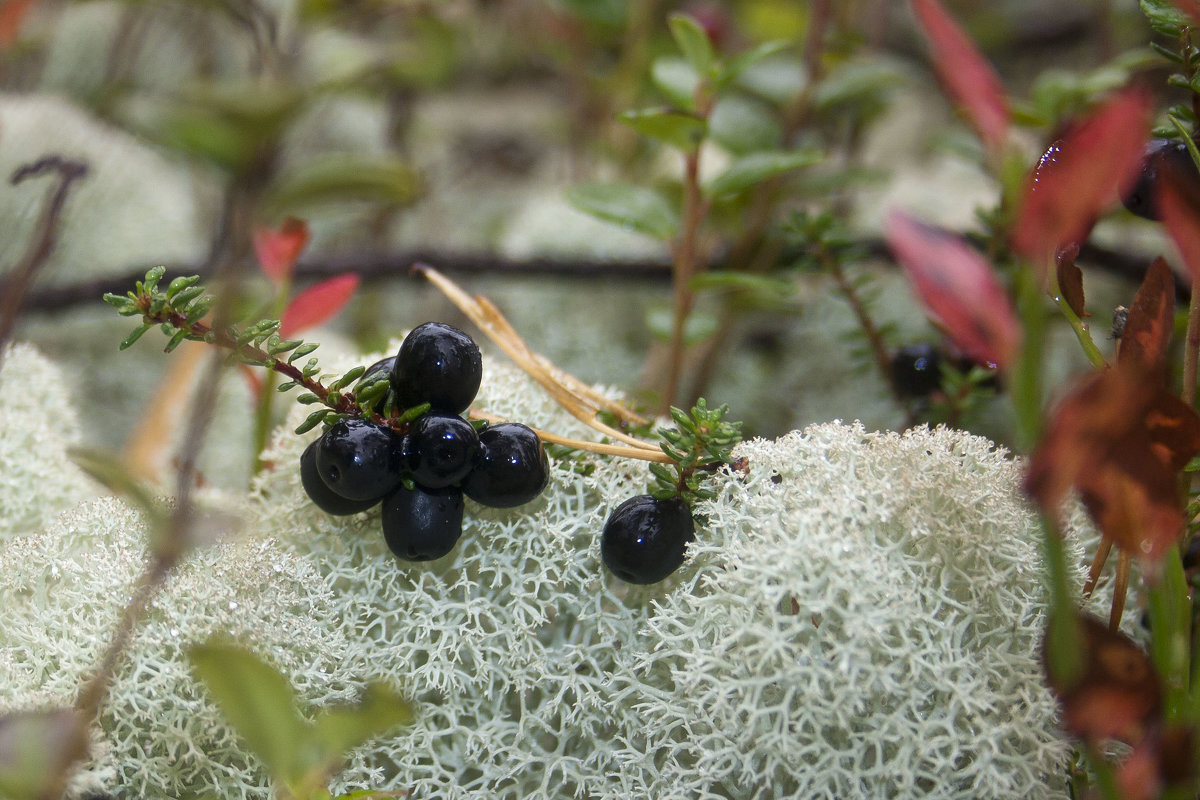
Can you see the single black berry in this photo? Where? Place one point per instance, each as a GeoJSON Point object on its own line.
{"type": "Point", "coordinates": [917, 370]}
{"type": "Point", "coordinates": [644, 538]}
{"type": "Point", "coordinates": [441, 451]}
{"type": "Point", "coordinates": [512, 467]}
{"type": "Point", "coordinates": [360, 460]}
{"type": "Point", "coordinates": [322, 496]}
{"type": "Point", "coordinates": [422, 524]}
{"type": "Point", "coordinates": [1160, 157]}
{"type": "Point", "coordinates": [437, 364]}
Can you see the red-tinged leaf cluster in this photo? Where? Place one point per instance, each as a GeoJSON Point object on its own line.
{"type": "Point", "coordinates": [277, 249]}
{"type": "Point", "coordinates": [1120, 439]}
{"type": "Point", "coordinates": [959, 288]}
{"type": "Point", "coordinates": [1066, 191]}
{"type": "Point", "coordinates": [966, 75]}
{"type": "Point", "coordinates": [317, 304]}
{"type": "Point", "coordinates": [1118, 694]}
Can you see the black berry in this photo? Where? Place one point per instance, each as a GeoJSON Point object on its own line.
{"type": "Point", "coordinates": [917, 370]}
{"type": "Point", "coordinates": [322, 496]}
{"type": "Point", "coordinates": [441, 451]}
{"type": "Point", "coordinates": [422, 524]}
{"type": "Point", "coordinates": [512, 467]}
{"type": "Point", "coordinates": [360, 460]}
{"type": "Point", "coordinates": [437, 364]}
{"type": "Point", "coordinates": [1160, 157]}
{"type": "Point", "coordinates": [644, 538]}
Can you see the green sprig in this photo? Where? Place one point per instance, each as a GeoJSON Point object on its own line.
{"type": "Point", "coordinates": [701, 441]}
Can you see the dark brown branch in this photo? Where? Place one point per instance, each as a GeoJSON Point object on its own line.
{"type": "Point", "coordinates": [45, 236]}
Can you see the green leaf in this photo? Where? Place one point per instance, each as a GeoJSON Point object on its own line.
{"type": "Point", "coordinates": [693, 42]}
{"type": "Point", "coordinates": [680, 130]}
{"type": "Point", "coordinates": [779, 79]}
{"type": "Point", "coordinates": [153, 276]}
{"type": "Point", "coordinates": [663, 473]}
{"type": "Point", "coordinates": [313, 420]}
{"type": "Point", "coordinates": [176, 340]}
{"type": "Point", "coordinates": [754, 168]}
{"type": "Point", "coordinates": [699, 327]}
{"type": "Point", "coordinates": [179, 284]}
{"type": "Point", "coordinates": [125, 305]}
{"type": "Point", "coordinates": [741, 281]}
{"type": "Point", "coordinates": [342, 178]}
{"type": "Point", "coordinates": [201, 306]}
{"type": "Point", "coordinates": [258, 701]}
{"type": "Point", "coordinates": [185, 296]}
{"type": "Point", "coordinates": [744, 124]}
{"type": "Point", "coordinates": [36, 747]}
{"type": "Point", "coordinates": [1164, 17]}
{"type": "Point", "coordinates": [633, 207]}
{"type": "Point", "coordinates": [307, 399]}
{"type": "Point", "coordinates": [342, 729]}
{"type": "Point", "coordinates": [743, 61]}
{"type": "Point", "coordinates": [302, 351]}
{"type": "Point", "coordinates": [133, 337]}
{"type": "Point", "coordinates": [676, 79]}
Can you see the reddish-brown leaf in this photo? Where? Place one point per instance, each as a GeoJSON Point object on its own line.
{"type": "Point", "coordinates": [317, 304]}
{"type": "Point", "coordinates": [967, 76]}
{"type": "Point", "coordinates": [1120, 439]}
{"type": "Point", "coordinates": [1080, 175]}
{"type": "Point", "coordinates": [1080, 433]}
{"type": "Point", "coordinates": [1179, 205]}
{"type": "Point", "coordinates": [1118, 694]}
{"type": "Point", "coordinates": [1149, 322]}
{"type": "Point", "coordinates": [278, 248]}
{"type": "Point", "coordinates": [1070, 278]}
{"type": "Point", "coordinates": [959, 288]}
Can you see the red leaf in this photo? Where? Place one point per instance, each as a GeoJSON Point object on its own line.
{"type": "Point", "coordinates": [317, 304]}
{"type": "Point", "coordinates": [958, 287]}
{"type": "Point", "coordinates": [1149, 322]}
{"type": "Point", "coordinates": [966, 75]}
{"type": "Point", "coordinates": [278, 248]}
{"type": "Point", "coordinates": [12, 14]}
{"type": "Point", "coordinates": [1118, 694]}
{"type": "Point", "coordinates": [1079, 175]}
{"type": "Point", "coordinates": [1189, 7]}
{"type": "Point", "coordinates": [1178, 201]}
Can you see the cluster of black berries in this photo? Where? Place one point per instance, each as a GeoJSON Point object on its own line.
{"type": "Point", "coordinates": [421, 469]}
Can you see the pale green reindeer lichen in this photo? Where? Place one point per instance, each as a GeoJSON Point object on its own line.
{"type": "Point", "coordinates": [859, 618]}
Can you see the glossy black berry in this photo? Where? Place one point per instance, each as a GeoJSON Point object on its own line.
{"type": "Point", "coordinates": [437, 364]}
{"type": "Point", "coordinates": [644, 538]}
{"type": "Point", "coordinates": [360, 460]}
{"type": "Point", "coordinates": [1160, 157]}
{"type": "Point", "coordinates": [322, 496]}
{"type": "Point", "coordinates": [917, 370]}
{"type": "Point", "coordinates": [512, 467]}
{"type": "Point", "coordinates": [422, 524]}
{"type": "Point", "coordinates": [441, 451]}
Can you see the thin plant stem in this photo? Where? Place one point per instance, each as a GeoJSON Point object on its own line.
{"type": "Point", "coordinates": [44, 238]}
{"type": "Point", "coordinates": [684, 268]}
{"type": "Point", "coordinates": [1082, 333]}
{"type": "Point", "coordinates": [883, 356]}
